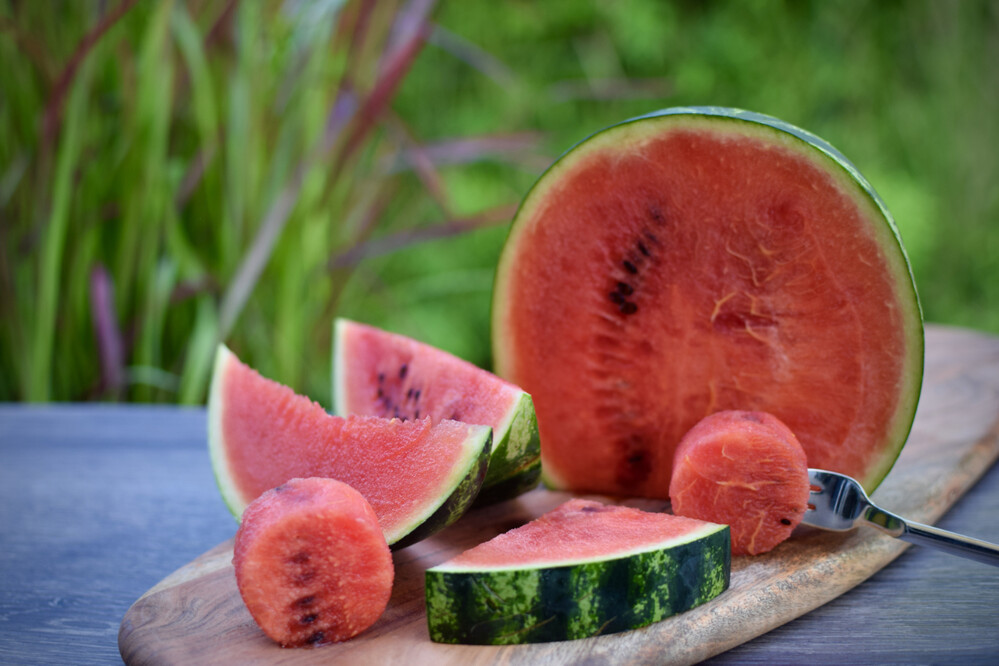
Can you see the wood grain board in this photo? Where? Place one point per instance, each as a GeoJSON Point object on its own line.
{"type": "Point", "coordinates": [195, 615]}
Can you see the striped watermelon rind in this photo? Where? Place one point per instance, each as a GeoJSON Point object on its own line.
{"type": "Point", "coordinates": [555, 602]}
{"type": "Point", "coordinates": [515, 464]}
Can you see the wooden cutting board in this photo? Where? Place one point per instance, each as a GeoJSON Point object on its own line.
{"type": "Point", "coordinates": [195, 615]}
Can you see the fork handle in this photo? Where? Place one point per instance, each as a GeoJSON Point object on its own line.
{"type": "Point", "coordinates": [926, 535]}
{"type": "Point", "coordinates": [955, 544]}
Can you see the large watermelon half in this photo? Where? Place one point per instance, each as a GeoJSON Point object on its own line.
{"type": "Point", "coordinates": [580, 570]}
{"type": "Point", "coordinates": [702, 259]}
{"type": "Point", "coordinates": [378, 373]}
{"type": "Point", "coordinates": [418, 477]}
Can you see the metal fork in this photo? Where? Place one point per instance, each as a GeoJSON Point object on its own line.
{"type": "Point", "coordinates": [838, 502]}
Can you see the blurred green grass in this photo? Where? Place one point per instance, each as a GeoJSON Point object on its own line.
{"type": "Point", "coordinates": [244, 171]}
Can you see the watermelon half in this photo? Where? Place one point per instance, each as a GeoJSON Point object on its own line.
{"type": "Point", "coordinates": [377, 373]}
{"type": "Point", "coordinates": [418, 477]}
{"type": "Point", "coordinates": [697, 260]}
{"type": "Point", "coordinates": [580, 570]}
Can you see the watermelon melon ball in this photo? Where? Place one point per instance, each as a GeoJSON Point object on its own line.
{"type": "Point", "coordinates": [697, 260]}
{"type": "Point", "coordinates": [745, 470]}
{"type": "Point", "coordinates": [311, 562]}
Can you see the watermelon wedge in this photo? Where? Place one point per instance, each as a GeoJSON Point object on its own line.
{"type": "Point", "coordinates": [580, 570]}
{"type": "Point", "coordinates": [418, 477]}
{"type": "Point", "coordinates": [377, 373]}
{"type": "Point", "coordinates": [697, 260]}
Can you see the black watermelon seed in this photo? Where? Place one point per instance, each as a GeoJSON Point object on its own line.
{"type": "Point", "coordinates": [652, 238]}
{"type": "Point", "coordinates": [409, 394]}
{"type": "Point", "coordinates": [628, 308]}
{"type": "Point", "coordinates": [630, 267]}
{"type": "Point", "coordinates": [617, 297]}
{"type": "Point", "coordinates": [402, 371]}
{"type": "Point", "coordinates": [641, 248]}
{"type": "Point", "coordinates": [309, 619]}
{"type": "Point", "coordinates": [416, 395]}
{"type": "Point", "coordinates": [656, 213]}
{"type": "Point", "coordinates": [625, 288]}
{"type": "Point", "coordinates": [381, 377]}
{"type": "Point", "coordinates": [305, 602]}
{"type": "Point", "coordinates": [315, 638]}
{"type": "Point", "coordinates": [417, 414]}
{"type": "Point", "coordinates": [785, 521]}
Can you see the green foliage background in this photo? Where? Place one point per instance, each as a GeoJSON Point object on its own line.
{"type": "Point", "coordinates": [197, 173]}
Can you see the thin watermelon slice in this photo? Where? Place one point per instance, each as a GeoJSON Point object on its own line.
{"type": "Point", "coordinates": [418, 477]}
{"type": "Point", "coordinates": [580, 570]}
{"type": "Point", "coordinates": [697, 260]}
{"type": "Point", "coordinates": [377, 373]}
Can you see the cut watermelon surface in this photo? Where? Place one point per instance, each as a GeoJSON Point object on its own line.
{"type": "Point", "coordinates": [418, 477]}
{"type": "Point", "coordinates": [378, 373]}
{"type": "Point", "coordinates": [580, 570]}
{"type": "Point", "coordinates": [699, 260]}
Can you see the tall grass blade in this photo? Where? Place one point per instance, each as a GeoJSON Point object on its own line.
{"type": "Point", "coordinates": [39, 377]}
{"type": "Point", "coordinates": [199, 353]}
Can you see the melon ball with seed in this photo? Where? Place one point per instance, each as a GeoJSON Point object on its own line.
{"type": "Point", "coordinates": [746, 470]}
{"type": "Point", "coordinates": [312, 564]}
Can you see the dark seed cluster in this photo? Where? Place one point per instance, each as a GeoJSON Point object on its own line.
{"type": "Point", "coordinates": [402, 408]}
{"type": "Point", "coordinates": [635, 462]}
{"type": "Point", "coordinates": [633, 264]}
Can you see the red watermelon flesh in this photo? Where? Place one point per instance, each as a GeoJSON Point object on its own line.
{"type": "Point", "coordinates": [697, 261]}
{"type": "Point", "coordinates": [261, 434]}
{"type": "Point", "coordinates": [312, 565]}
{"type": "Point", "coordinates": [579, 530]}
{"type": "Point", "coordinates": [745, 470]}
{"type": "Point", "coordinates": [375, 371]}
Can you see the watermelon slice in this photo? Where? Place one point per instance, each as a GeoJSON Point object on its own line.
{"type": "Point", "coordinates": [377, 373]}
{"type": "Point", "coordinates": [697, 260]}
{"type": "Point", "coordinates": [581, 570]}
{"type": "Point", "coordinates": [418, 477]}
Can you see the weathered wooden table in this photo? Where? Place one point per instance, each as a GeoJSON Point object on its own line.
{"type": "Point", "coordinates": [99, 503]}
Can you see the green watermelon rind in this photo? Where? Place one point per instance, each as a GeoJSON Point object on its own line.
{"type": "Point", "coordinates": [809, 146]}
{"type": "Point", "coordinates": [463, 485]}
{"type": "Point", "coordinates": [568, 601]}
{"type": "Point", "coordinates": [216, 451]}
{"type": "Point", "coordinates": [457, 503]}
{"type": "Point", "coordinates": [515, 463]}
